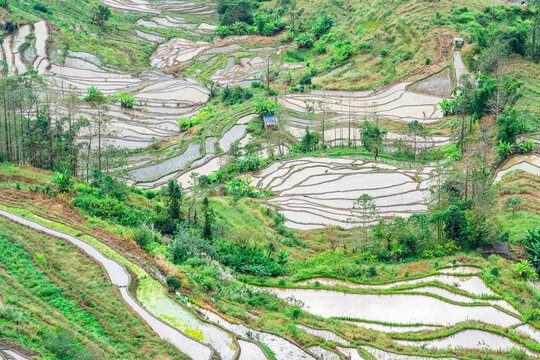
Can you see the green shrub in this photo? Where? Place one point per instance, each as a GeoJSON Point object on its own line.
{"type": "Point", "coordinates": [41, 7]}
{"type": "Point", "coordinates": [126, 100]}
{"type": "Point", "coordinates": [143, 237]}
{"type": "Point", "coordinates": [239, 188]}
{"type": "Point", "coordinates": [232, 11]}
{"type": "Point", "coordinates": [305, 80]}
{"type": "Point", "coordinates": [187, 244]}
{"type": "Point", "coordinates": [364, 45]}
{"type": "Point", "coordinates": [111, 209]}
{"type": "Point", "coordinates": [320, 47]}
{"type": "Point", "coordinates": [305, 40]}
{"type": "Point", "coordinates": [235, 95]}
{"type": "Point", "coordinates": [266, 107]}
{"type": "Point", "coordinates": [342, 51]}
{"type": "Point", "coordinates": [295, 313]}
{"type": "Point", "coordinates": [518, 354]}
{"type": "Point", "coordinates": [173, 283]}
{"type": "Point", "coordinates": [322, 26]}
{"type": "Point", "coordinates": [249, 260]}
{"type": "Point", "coordinates": [187, 123]}
{"type": "Point", "coordinates": [11, 314]}
{"type": "Point", "coordinates": [63, 183]}
{"type": "Point", "coordinates": [65, 345]}
{"type": "Point", "coordinates": [532, 243]}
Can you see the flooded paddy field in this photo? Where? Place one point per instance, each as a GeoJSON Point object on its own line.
{"type": "Point", "coordinates": [315, 192]}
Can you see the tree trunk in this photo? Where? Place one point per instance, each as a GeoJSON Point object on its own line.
{"type": "Point", "coordinates": [462, 132]}
{"type": "Point", "coordinates": [6, 129]}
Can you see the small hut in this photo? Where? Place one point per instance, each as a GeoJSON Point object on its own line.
{"type": "Point", "coordinates": [270, 122]}
{"type": "Point", "coordinates": [498, 248]}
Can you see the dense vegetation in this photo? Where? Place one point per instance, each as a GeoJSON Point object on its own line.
{"type": "Point", "coordinates": [44, 307]}
{"type": "Point", "coordinates": [215, 238]}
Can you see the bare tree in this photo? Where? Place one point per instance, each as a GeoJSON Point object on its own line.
{"type": "Point", "coordinates": [364, 212]}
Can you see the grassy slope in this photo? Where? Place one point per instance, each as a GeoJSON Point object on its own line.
{"type": "Point", "coordinates": [397, 27]}
{"type": "Point", "coordinates": [526, 186]}
{"type": "Point", "coordinates": [53, 284]}
{"type": "Point", "coordinates": [529, 73]}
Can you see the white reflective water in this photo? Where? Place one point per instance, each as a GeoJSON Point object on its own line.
{"type": "Point", "coordinates": [472, 284]}
{"type": "Point", "coordinates": [250, 351]}
{"type": "Point", "coordinates": [395, 308]}
{"type": "Point", "coordinates": [468, 339]}
{"type": "Point", "coordinates": [282, 348]}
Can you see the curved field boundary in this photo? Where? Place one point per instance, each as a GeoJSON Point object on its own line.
{"type": "Point", "coordinates": [315, 192]}
{"type": "Point", "coordinates": [201, 308]}
{"type": "Point", "coordinates": [201, 160]}
{"type": "Point", "coordinates": [152, 272]}
{"type": "Point", "coordinates": [459, 328]}
{"type": "Point", "coordinates": [527, 162]}
{"type": "Point", "coordinates": [120, 277]}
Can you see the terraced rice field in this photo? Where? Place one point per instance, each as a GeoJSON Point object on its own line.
{"type": "Point", "coordinates": [393, 103]}
{"type": "Point", "coordinates": [239, 68]}
{"type": "Point", "coordinates": [394, 308]}
{"type": "Point", "coordinates": [402, 102]}
{"type": "Point", "coordinates": [339, 136]}
{"type": "Point", "coordinates": [385, 355]}
{"type": "Point", "coordinates": [528, 163]}
{"type": "Point", "coordinates": [157, 7]}
{"type": "Point", "coordinates": [413, 313]}
{"type": "Point", "coordinates": [470, 284]}
{"type": "Point", "coordinates": [282, 348]}
{"type": "Point", "coordinates": [439, 84]}
{"type": "Point", "coordinates": [470, 339]}
{"type": "Point", "coordinates": [315, 192]}
{"type": "Point", "coordinates": [161, 99]}
{"type": "Point", "coordinates": [194, 160]}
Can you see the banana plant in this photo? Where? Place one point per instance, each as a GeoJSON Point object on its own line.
{"type": "Point", "coordinates": [525, 270]}
{"type": "Point", "coordinates": [505, 148]}
{"type": "Point", "coordinates": [282, 257]}
{"type": "Point", "coordinates": [126, 100]}
{"type": "Point", "coordinates": [63, 183]}
{"type": "Point", "coordinates": [522, 148]}
{"type": "Point", "coordinates": [529, 144]}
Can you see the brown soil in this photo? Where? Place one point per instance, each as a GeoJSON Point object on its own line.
{"type": "Point", "coordinates": [523, 185]}
{"type": "Point", "coordinates": [22, 179]}
{"type": "Point", "coordinates": [444, 44]}
{"type": "Point", "coordinates": [58, 209]}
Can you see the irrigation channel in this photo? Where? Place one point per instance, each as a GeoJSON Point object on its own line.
{"type": "Point", "coordinates": [170, 320]}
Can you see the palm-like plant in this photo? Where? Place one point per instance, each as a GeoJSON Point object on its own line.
{"type": "Point", "coordinates": [532, 242]}
{"type": "Point", "coordinates": [283, 256]}
{"type": "Point", "coordinates": [525, 270]}
{"type": "Point", "coordinates": [529, 144]}
{"type": "Point", "coordinates": [395, 251]}
{"type": "Point", "coordinates": [126, 100]}
{"type": "Point", "coordinates": [522, 148]}
{"type": "Point", "coordinates": [505, 148]}
{"type": "Point", "coordinates": [63, 183]}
